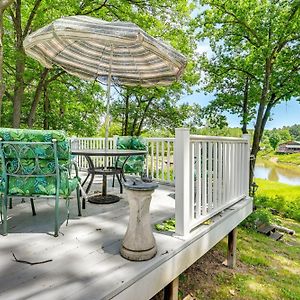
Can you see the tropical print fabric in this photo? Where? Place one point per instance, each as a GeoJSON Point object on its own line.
{"type": "Point", "coordinates": [134, 164]}
{"type": "Point", "coordinates": [34, 162]}
{"type": "Point", "coordinates": [30, 135]}
{"type": "Point", "coordinates": [41, 185]}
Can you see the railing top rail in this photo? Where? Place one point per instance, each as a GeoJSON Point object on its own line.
{"type": "Point", "coordinates": [90, 138]}
{"type": "Point", "coordinates": [197, 138]}
{"type": "Point", "coordinates": [150, 139]}
{"type": "Point", "coordinates": [154, 139]}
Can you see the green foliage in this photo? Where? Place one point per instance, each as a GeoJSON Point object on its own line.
{"type": "Point", "coordinates": [258, 217]}
{"type": "Point", "coordinates": [138, 110]}
{"type": "Point", "coordinates": [287, 209]}
{"type": "Point", "coordinates": [274, 140]}
{"type": "Point", "coordinates": [293, 158]}
{"type": "Point", "coordinates": [254, 65]}
{"type": "Point", "coordinates": [167, 225]}
{"type": "Point", "coordinates": [215, 131]}
{"type": "Point", "coordinates": [294, 131]}
{"type": "Point", "coordinates": [283, 198]}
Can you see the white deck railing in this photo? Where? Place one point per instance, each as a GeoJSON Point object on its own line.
{"type": "Point", "coordinates": [212, 173]}
{"type": "Point", "coordinates": [159, 161]}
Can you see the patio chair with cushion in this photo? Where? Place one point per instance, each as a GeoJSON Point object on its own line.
{"type": "Point", "coordinates": [37, 163]}
{"type": "Point", "coordinates": [133, 164]}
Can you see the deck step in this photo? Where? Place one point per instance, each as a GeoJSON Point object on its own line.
{"type": "Point", "coordinates": [266, 229]}
{"type": "Point", "coordinates": [276, 235]}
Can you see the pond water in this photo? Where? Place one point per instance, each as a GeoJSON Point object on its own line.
{"type": "Point", "coordinates": [277, 172]}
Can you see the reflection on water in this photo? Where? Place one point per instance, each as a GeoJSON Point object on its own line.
{"type": "Point", "coordinates": [267, 170]}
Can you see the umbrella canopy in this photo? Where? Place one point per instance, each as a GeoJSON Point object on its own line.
{"type": "Point", "coordinates": [92, 49]}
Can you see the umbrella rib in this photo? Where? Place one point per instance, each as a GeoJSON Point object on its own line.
{"type": "Point", "coordinates": [133, 58]}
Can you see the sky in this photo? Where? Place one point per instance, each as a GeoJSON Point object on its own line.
{"type": "Point", "coordinates": [284, 114]}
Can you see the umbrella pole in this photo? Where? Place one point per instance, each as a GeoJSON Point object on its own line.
{"type": "Point", "coordinates": [107, 118]}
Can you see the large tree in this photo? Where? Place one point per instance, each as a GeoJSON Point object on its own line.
{"type": "Point", "coordinates": [258, 40]}
{"type": "Point", "coordinates": [34, 92]}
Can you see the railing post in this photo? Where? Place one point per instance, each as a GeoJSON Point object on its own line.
{"type": "Point", "coordinates": [182, 180]}
{"type": "Point", "coordinates": [247, 163]}
{"type": "Point", "coordinates": [115, 140]}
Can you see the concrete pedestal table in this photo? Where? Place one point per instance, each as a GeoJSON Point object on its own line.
{"type": "Point", "coordinates": [139, 243]}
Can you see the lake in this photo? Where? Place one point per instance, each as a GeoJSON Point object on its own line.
{"type": "Point", "coordinates": [277, 172]}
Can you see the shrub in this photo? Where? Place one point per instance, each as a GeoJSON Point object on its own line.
{"type": "Point", "coordinates": [288, 209]}
{"type": "Point", "coordinates": [258, 217]}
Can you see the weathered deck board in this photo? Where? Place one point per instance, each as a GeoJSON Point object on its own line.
{"type": "Point", "coordinates": [86, 262]}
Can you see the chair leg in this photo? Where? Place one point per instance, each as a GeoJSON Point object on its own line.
{"type": "Point", "coordinates": [4, 212]}
{"type": "Point", "coordinates": [10, 203]}
{"type": "Point", "coordinates": [78, 201]}
{"type": "Point", "coordinates": [113, 181]}
{"type": "Point", "coordinates": [68, 210]}
{"type": "Point", "coordinates": [56, 216]}
{"type": "Point", "coordinates": [32, 207]}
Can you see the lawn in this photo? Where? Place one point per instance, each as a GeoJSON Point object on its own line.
{"type": "Point", "coordinates": [266, 269]}
{"type": "Point", "coordinates": [293, 159]}
{"type": "Point", "coordinates": [272, 189]}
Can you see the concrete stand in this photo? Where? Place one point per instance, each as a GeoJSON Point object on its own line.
{"type": "Point", "coordinates": [139, 243]}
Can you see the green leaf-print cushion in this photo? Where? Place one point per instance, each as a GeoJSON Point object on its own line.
{"type": "Point", "coordinates": [30, 135]}
{"type": "Point", "coordinates": [134, 164]}
{"type": "Point", "coordinates": [37, 161]}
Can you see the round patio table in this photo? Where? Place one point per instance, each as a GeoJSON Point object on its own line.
{"type": "Point", "coordinates": [104, 198]}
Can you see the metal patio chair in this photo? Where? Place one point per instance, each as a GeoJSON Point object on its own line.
{"type": "Point", "coordinates": [37, 163]}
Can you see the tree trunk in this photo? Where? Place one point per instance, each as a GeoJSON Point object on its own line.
{"type": "Point", "coordinates": [37, 97]}
{"type": "Point", "coordinates": [126, 114]}
{"type": "Point", "coordinates": [245, 106]}
{"type": "Point", "coordinates": [3, 5]}
{"type": "Point", "coordinates": [2, 84]}
{"type": "Point", "coordinates": [259, 127]}
{"type": "Point", "coordinates": [20, 68]}
{"type": "Point", "coordinates": [46, 110]}
{"type": "Point", "coordinates": [135, 120]}
{"type": "Point", "coordinates": [20, 57]}
{"type": "Point", "coordinates": [143, 117]}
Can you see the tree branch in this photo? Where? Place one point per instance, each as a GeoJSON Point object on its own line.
{"type": "Point", "coordinates": [54, 77]}
{"type": "Point", "coordinates": [96, 9]}
{"type": "Point", "coordinates": [244, 24]}
{"type": "Point", "coordinates": [31, 17]}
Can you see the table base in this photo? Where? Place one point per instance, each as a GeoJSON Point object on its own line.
{"type": "Point", "coordinates": [100, 199]}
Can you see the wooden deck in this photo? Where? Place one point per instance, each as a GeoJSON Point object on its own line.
{"type": "Point", "coordinates": [85, 257]}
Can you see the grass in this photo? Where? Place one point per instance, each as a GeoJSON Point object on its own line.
{"type": "Point", "coordinates": [272, 189]}
{"type": "Point", "coordinates": [289, 158]}
{"type": "Point", "coordinates": [266, 269]}
{"type": "Point", "coordinates": [293, 159]}
{"type": "Point", "coordinates": [283, 198]}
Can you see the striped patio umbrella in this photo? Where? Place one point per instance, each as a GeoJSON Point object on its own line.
{"type": "Point", "coordinates": [118, 52]}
